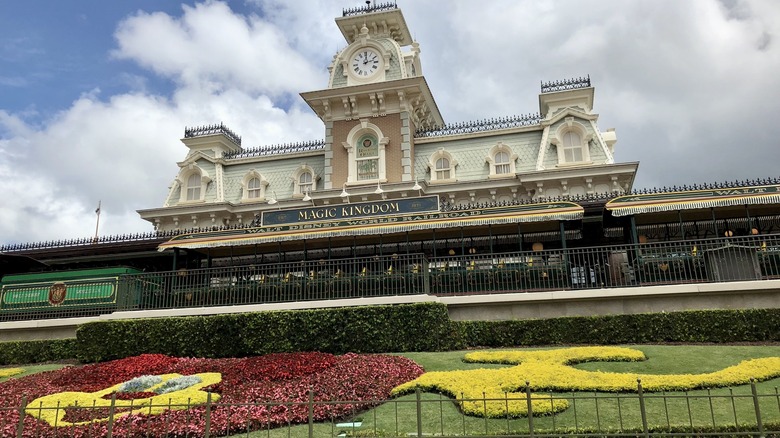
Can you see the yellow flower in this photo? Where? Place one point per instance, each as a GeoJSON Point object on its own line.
{"type": "Point", "coordinates": [51, 408]}
{"type": "Point", "coordinates": [551, 370]}
{"type": "Point", "coordinates": [8, 372]}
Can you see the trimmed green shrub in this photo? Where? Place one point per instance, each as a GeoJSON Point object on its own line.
{"type": "Point", "coordinates": [716, 326]}
{"type": "Point", "coordinates": [25, 352]}
{"type": "Point", "coordinates": [379, 329]}
{"type": "Point", "coordinates": [369, 329]}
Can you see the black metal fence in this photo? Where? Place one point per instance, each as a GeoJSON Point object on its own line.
{"type": "Point", "coordinates": [386, 275]}
{"type": "Point", "coordinates": [744, 258]}
{"type": "Point", "coordinates": [746, 412]}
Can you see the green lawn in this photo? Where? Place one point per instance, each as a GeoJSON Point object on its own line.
{"type": "Point", "coordinates": [32, 369]}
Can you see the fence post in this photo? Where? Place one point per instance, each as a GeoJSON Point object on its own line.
{"type": "Point", "coordinates": [419, 412]}
{"type": "Point", "coordinates": [207, 426]}
{"type": "Point", "coordinates": [758, 409]}
{"type": "Point", "coordinates": [530, 408]}
{"type": "Point", "coordinates": [20, 426]}
{"type": "Point", "coordinates": [111, 411]}
{"type": "Point", "coordinates": [642, 410]}
{"type": "Point", "coordinates": [311, 413]}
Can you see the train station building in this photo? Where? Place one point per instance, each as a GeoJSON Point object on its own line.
{"type": "Point", "coordinates": [395, 203]}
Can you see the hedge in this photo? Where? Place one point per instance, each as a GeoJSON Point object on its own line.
{"type": "Point", "coordinates": [699, 326]}
{"type": "Point", "coordinates": [369, 329]}
{"type": "Point", "coordinates": [375, 329]}
{"type": "Point", "coordinates": [26, 352]}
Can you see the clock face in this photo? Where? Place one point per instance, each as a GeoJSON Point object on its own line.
{"type": "Point", "coordinates": [365, 63]}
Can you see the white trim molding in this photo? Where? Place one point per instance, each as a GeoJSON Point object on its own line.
{"type": "Point", "coordinates": [183, 179]}
{"type": "Point", "coordinates": [559, 139]}
{"type": "Point", "coordinates": [298, 190]}
{"type": "Point", "coordinates": [433, 167]}
{"type": "Point", "coordinates": [246, 189]}
{"type": "Point", "coordinates": [365, 128]}
{"type": "Point", "coordinates": [511, 159]}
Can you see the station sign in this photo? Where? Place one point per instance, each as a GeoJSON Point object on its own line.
{"type": "Point", "coordinates": [335, 213]}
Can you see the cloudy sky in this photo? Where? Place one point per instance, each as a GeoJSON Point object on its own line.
{"type": "Point", "coordinates": [95, 94]}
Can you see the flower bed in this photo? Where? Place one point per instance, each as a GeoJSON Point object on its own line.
{"type": "Point", "coordinates": [155, 394]}
{"type": "Point", "coordinates": [8, 372]}
{"type": "Point", "coordinates": [551, 370]}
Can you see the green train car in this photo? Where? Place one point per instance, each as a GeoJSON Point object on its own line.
{"type": "Point", "coordinates": [65, 293]}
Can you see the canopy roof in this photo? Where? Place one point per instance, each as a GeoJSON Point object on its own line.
{"type": "Point", "coordinates": [693, 199]}
{"type": "Point", "coordinates": [375, 225]}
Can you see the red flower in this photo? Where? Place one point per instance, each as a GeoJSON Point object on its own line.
{"type": "Point", "coordinates": [256, 393]}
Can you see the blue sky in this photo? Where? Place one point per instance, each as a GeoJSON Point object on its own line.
{"type": "Point", "coordinates": [95, 94]}
{"type": "Point", "coordinates": [53, 51]}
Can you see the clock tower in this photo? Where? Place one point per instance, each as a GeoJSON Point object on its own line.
{"type": "Point", "coordinates": [375, 101]}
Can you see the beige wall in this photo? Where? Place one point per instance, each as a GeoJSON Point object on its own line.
{"type": "Point", "coordinates": [390, 125]}
{"type": "Point", "coordinates": [340, 161]}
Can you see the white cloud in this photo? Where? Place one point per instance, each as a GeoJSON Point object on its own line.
{"type": "Point", "coordinates": [687, 85]}
{"type": "Point", "coordinates": [122, 149]}
{"type": "Point", "coordinates": [690, 87]}
{"type": "Point", "coordinates": [212, 47]}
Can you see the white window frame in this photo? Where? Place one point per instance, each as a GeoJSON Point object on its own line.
{"type": "Point", "coordinates": [442, 168]}
{"type": "Point", "coordinates": [246, 190]}
{"type": "Point", "coordinates": [192, 171]}
{"type": "Point", "coordinates": [572, 146]}
{"type": "Point", "coordinates": [299, 190]}
{"type": "Point", "coordinates": [570, 126]}
{"type": "Point", "coordinates": [372, 160]}
{"type": "Point", "coordinates": [355, 134]}
{"type": "Point", "coordinates": [501, 148]}
{"type": "Point", "coordinates": [192, 187]}
{"type": "Point", "coordinates": [433, 161]}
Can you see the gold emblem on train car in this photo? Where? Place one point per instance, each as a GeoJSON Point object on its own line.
{"type": "Point", "coordinates": [57, 293]}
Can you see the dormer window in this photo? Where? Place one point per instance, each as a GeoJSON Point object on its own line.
{"type": "Point", "coordinates": [193, 187]}
{"type": "Point", "coordinates": [501, 159]}
{"type": "Point", "coordinates": [253, 186]}
{"type": "Point", "coordinates": [192, 181]}
{"type": "Point", "coordinates": [305, 181]}
{"type": "Point", "coordinates": [572, 147]}
{"type": "Point", "coordinates": [502, 162]}
{"type": "Point", "coordinates": [253, 189]}
{"type": "Point", "coordinates": [442, 167]}
{"type": "Point", "coordinates": [571, 139]}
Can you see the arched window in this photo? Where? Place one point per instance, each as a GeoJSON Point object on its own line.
{"type": "Point", "coordinates": [365, 147]}
{"type": "Point", "coordinates": [502, 161]}
{"type": "Point", "coordinates": [442, 166]}
{"type": "Point", "coordinates": [572, 147]}
{"type": "Point", "coordinates": [571, 139]}
{"type": "Point", "coordinates": [253, 188]}
{"type": "Point", "coordinates": [305, 183]}
{"type": "Point", "coordinates": [304, 180]}
{"type": "Point", "coordinates": [367, 158]}
{"type": "Point", "coordinates": [192, 181]}
{"type": "Point", "coordinates": [193, 187]}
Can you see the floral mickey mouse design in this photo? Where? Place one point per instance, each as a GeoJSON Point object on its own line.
{"type": "Point", "coordinates": [173, 392]}
{"type": "Point", "coordinates": [551, 370]}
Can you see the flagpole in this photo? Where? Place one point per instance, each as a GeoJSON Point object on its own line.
{"type": "Point", "coordinates": [97, 222]}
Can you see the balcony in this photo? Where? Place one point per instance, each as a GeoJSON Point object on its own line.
{"type": "Point", "coordinates": [617, 269]}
